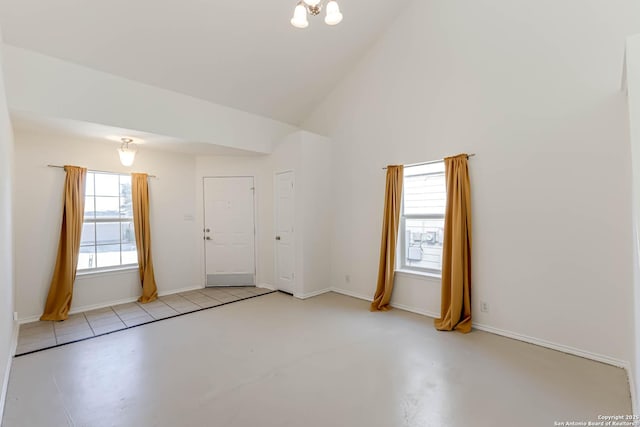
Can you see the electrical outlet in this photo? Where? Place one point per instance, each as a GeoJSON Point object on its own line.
{"type": "Point", "coordinates": [347, 278]}
{"type": "Point", "coordinates": [15, 316]}
{"type": "Point", "coordinates": [484, 307]}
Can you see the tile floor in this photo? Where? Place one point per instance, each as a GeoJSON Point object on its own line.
{"type": "Point", "coordinates": [40, 335]}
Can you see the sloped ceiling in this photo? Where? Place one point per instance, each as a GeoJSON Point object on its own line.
{"type": "Point", "coordinates": [240, 53]}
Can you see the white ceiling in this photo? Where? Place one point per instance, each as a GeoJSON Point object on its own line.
{"type": "Point", "coordinates": [239, 53]}
{"type": "Point", "coordinates": [23, 122]}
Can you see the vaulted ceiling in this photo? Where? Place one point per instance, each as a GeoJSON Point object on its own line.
{"type": "Point", "coordinates": [240, 53]}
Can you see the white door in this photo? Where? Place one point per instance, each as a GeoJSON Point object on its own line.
{"type": "Point", "coordinates": [229, 231]}
{"type": "Point", "coordinates": [285, 248]}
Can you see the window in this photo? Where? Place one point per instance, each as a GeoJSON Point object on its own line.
{"type": "Point", "coordinates": [422, 218]}
{"type": "Point", "coordinates": [108, 240]}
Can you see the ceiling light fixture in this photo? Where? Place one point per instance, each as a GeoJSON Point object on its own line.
{"type": "Point", "coordinates": [314, 7]}
{"type": "Point", "coordinates": [127, 154]}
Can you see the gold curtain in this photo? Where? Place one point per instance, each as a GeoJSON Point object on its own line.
{"type": "Point", "coordinates": [142, 227]}
{"type": "Point", "coordinates": [391, 221]}
{"type": "Point", "coordinates": [455, 310]}
{"type": "Point", "coordinates": [64, 275]}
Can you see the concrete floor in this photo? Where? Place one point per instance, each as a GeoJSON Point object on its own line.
{"type": "Point", "coordinates": [327, 361]}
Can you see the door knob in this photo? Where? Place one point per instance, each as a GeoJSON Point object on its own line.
{"type": "Point", "coordinates": [207, 238]}
{"type": "Point", "coordinates": [278, 238]}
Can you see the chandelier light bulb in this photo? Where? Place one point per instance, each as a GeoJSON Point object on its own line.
{"type": "Point", "coordinates": [334, 17]}
{"type": "Point", "coordinates": [305, 8]}
{"type": "Point", "coordinates": [127, 154]}
{"type": "Point", "coordinates": [299, 19]}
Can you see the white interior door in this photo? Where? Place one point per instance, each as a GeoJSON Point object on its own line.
{"type": "Point", "coordinates": [285, 242]}
{"type": "Point", "coordinates": [229, 231]}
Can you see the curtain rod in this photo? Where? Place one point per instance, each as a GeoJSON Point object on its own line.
{"type": "Point", "coordinates": [94, 170]}
{"type": "Point", "coordinates": [429, 163]}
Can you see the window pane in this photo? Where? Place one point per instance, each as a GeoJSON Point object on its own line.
{"type": "Point", "coordinates": [108, 233]}
{"type": "Point", "coordinates": [86, 258]}
{"type": "Point", "coordinates": [89, 185]}
{"type": "Point", "coordinates": [423, 243]}
{"type": "Point", "coordinates": [107, 184]}
{"type": "Point", "coordinates": [107, 244]}
{"type": "Point", "coordinates": [432, 168]}
{"type": "Point", "coordinates": [126, 206]}
{"type": "Point", "coordinates": [89, 207]}
{"type": "Point", "coordinates": [129, 254]}
{"type": "Point", "coordinates": [128, 234]}
{"type": "Point", "coordinates": [108, 256]}
{"type": "Point", "coordinates": [125, 182]}
{"type": "Point", "coordinates": [88, 234]}
{"type": "Point", "coordinates": [425, 195]}
{"type": "Point", "coordinates": [108, 207]}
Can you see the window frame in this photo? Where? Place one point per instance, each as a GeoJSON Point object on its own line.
{"type": "Point", "coordinates": [401, 253]}
{"type": "Point", "coordinates": [95, 221]}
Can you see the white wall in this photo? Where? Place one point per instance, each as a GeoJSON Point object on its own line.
{"type": "Point", "coordinates": [633, 82]}
{"type": "Point", "coordinates": [51, 87]}
{"type": "Point", "coordinates": [317, 212]}
{"type": "Point", "coordinates": [6, 241]}
{"type": "Point", "coordinates": [38, 210]}
{"type": "Point", "coordinates": [309, 156]}
{"type": "Point", "coordinates": [534, 90]}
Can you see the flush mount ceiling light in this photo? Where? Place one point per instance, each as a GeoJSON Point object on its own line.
{"type": "Point", "coordinates": [314, 7]}
{"type": "Point", "coordinates": [127, 153]}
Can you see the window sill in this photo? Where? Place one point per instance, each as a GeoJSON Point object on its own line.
{"type": "Point", "coordinates": [419, 275]}
{"type": "Point", "coordinates": [107, 272]}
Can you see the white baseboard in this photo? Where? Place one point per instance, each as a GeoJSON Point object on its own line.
{"type": "Point", "coordinates": [351, 294]}
{"type": "Point", "coordinates": [634, 392]}
{"type": "Point", "coordinates": [84, 308]}
{"type": "Point", "coordinates": [28, 319]}
{"type": "Point", "coordinates": [7, 370]}
{"type": "Point", "coordinates": [426, 313]}
{"type": "Point", "coordinates": [555, 346]}
{"type": "Point", "coordinates": [539, 342]}
{"type": "Point", "coordinates": [299, 296]}
{"type": "Point", "coordinates": [313, 294]}
{"type": "Point", "coordinates": [266, 286]}
{"type": "Point", "coordinates": [394, 305]}
{"type": "Point", "coordinates": [179, 291]}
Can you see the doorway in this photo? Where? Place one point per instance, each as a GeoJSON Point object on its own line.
{"type": "Point", "coordinates": [229, 231]}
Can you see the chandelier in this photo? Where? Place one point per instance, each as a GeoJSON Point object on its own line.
{"type": "Point", "coordinates": [314, 7]}
{"type": "Point", "coordinates": [127, 154]}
